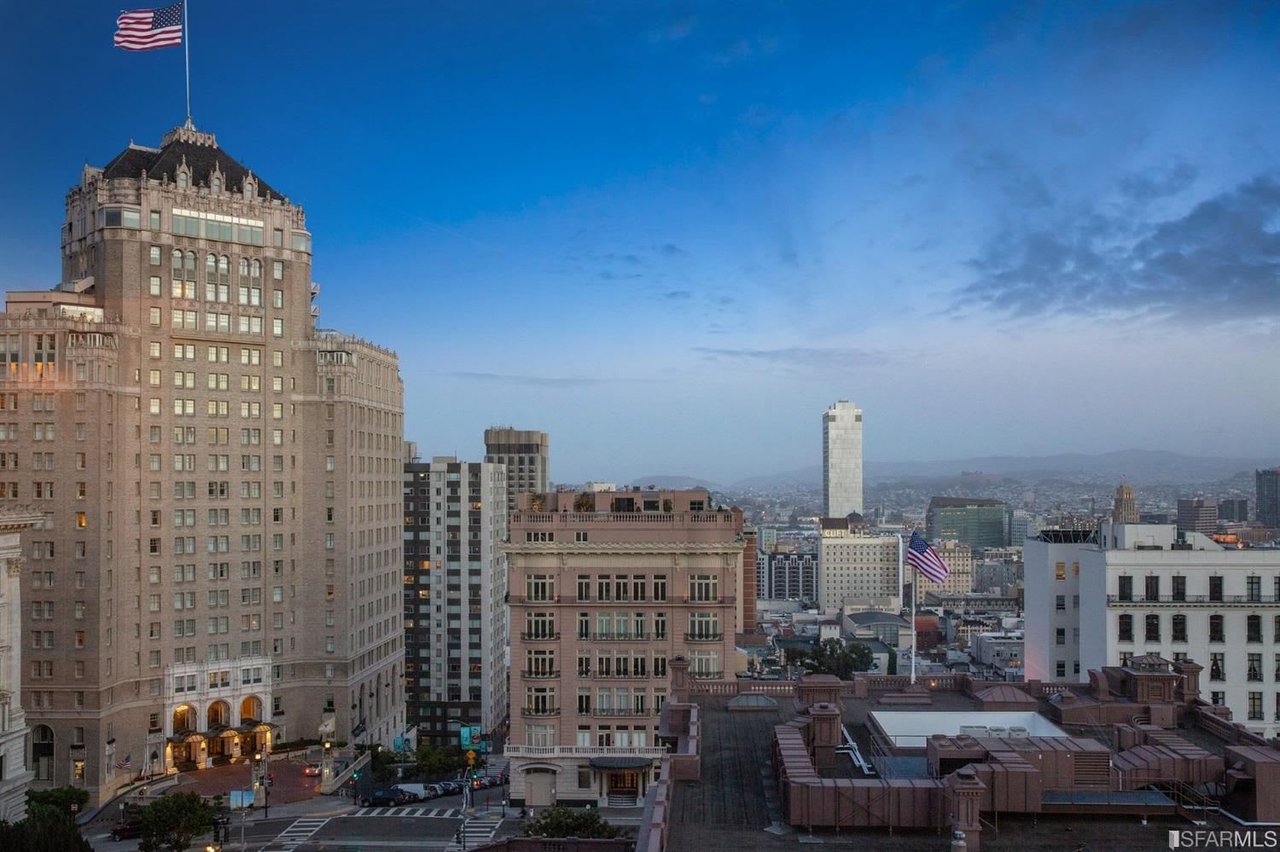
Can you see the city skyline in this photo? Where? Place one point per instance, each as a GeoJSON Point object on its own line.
{"type": "Point", "coordinates": [603, 214]}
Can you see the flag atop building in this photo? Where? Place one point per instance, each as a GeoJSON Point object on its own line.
{"type": "Point", "coordinates": [925, 559]}
{"type": "Point", "coordinates": [149, 29]}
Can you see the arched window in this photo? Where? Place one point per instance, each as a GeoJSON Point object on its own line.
{"type": "Point", "coordinates": [244, 269]}
{"type": "Point", "coordinates": [183, 181]}
{"type": "Point", "coordinates": [211, 268]}
{"type": "Point", "coordinates": [256, 273]}
{"type": "Point", "coordinates": [176, 263]}
{"type": "Point", "coordinates": [191, 266]}
{"type": "Point", "coordinates": [42, 752]}
{"type": "Point", "coordinates": [224, 270]}
{"type": "Point", "coordinates": [216, 184]}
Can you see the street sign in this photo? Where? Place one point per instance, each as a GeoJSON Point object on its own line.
{"type": "Point", "coordinates": [471, 757]}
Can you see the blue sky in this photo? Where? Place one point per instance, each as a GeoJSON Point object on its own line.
{"type": "Point", "coordinates": [671, 234]}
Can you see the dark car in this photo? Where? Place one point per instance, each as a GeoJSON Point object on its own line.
{"type": "Point", "coordinates": [126, 830]}
{"type": "Point", "coordinates": [389, 797]}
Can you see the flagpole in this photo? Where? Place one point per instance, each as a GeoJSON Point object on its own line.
{"type": "Point", "coordinates": [186, 56]}
{"type": "Point", "coordinates": [913, 611]}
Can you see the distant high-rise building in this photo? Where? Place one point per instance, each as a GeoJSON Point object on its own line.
{"type": "Point", "coordinates": [526, 453]}
{"type": "Point", "coordinates": [455, 524]}
{"type": "Point", "coordinates": [1124, 510]}
{"type": "Point", "coordinates": [790, 576]}
{"type": "Point", "coordinates": [841, 460]}
{"type": "Point", "coordinates": [857, 569]}
{"type": "Point", "coordinates": [219, 562]}
{"type": "Point", "coordinates": [1235, 509]}
{"type": "Point", "coordinates": [959, 559]}
{"type": "Point", "coordinates": [1022, 524]}
{"type": "Point", "coordinates": [976, 521]}
{"type": "Point", "coordinates": [1267, 483]}
{"type": "Point", "coordinates": [1196, 514]}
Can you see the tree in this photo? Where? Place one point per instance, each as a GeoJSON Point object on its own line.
{"type": "Point", "coordinates": [570, 822]}
{"type": "Point", "coordinates": [834, 657]}
{"type": "Point", "coordinates": [172, 822]}
{"type": "Point", "coordinates": [49, 826]}
{"type": "Point", "coordinates": [435, 761]}
{"type": "Point", "coordinates": [67, 800]}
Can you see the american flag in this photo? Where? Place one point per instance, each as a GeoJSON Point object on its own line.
{"type": "Point", "coordinates": [127, 763]}
{"type": "Point", "coordinates": [148, 29]}
{"type": "Point", "coordinates": [925, 559]}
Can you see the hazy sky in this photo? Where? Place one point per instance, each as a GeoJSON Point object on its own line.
{"type": "Point", "coordinates": [672, 234]}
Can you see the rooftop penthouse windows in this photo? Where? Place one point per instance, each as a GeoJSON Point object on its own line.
{"type": "Point", "coordinates": [212, 226]}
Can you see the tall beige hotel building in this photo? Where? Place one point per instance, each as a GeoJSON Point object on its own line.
{"type": "Point", "coordinates": [218, 562]}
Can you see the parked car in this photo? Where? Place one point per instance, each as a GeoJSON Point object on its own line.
{"type": "Point", "coordinates": [389, 797]}
{"type": "Point", "coordinates": [311, 770]}
{"type": "Point", "coordinates": [413, 792]}
{"type": "Point", "coordinates": [126, 830]}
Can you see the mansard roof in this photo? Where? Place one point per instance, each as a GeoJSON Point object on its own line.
{"type": "Point", "coordinates": [198, 150]}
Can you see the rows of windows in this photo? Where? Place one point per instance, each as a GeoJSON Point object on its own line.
{"type": "Point", "coordinates": [219, 322]}
{"type": "Point", "coordinates": [1153, 623]}
{"type": "Point", "coordinates": [1213, 590]}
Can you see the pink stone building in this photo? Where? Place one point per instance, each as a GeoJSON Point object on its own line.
{"type": "Point", "coordinates": [606, 589]}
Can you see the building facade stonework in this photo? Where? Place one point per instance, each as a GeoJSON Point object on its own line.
{"type": "Point", "coordinates": [218, 562]}
{"type": "Point", "coordinates": [15, 774]}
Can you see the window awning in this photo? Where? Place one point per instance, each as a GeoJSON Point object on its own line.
{"type": "Point", "coordinates": [620, 762]}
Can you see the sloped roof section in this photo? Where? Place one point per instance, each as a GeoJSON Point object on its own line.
{"type": "Point", "coordinates": [1004, 694]}
{"type": "Point", "coordinates": [201, 153]}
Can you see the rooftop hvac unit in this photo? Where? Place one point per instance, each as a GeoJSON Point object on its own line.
{"type": "Point", "coordinates": [997, 731]}
{"type": "Point", "coordinates": [1018, 731]}
{"type": "Point", "coordinates": [973, 730]}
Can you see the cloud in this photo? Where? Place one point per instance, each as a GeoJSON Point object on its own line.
{"type": "Point", "coordinates": [538, 381]}
{"type": "Point", "coordinates": [1159, 182]}
{"type": "Point", "coordinates": [800, 357]}
{"type": "Point", "coordinates": [1218, 262]}
{"type": "Point", "coordinates": [1010, 175]}
{"type": "Point", "coordinates": [677, 295]}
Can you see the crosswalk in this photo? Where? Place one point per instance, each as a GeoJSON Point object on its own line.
{"type": "Point", "coordinates": [299, 832]}
{"type": "Point", "coordinates": [438, 813]}
{"type": "Point", "coordinates": [474, 832]}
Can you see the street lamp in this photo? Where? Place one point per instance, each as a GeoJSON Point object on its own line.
{"type": "Point", "coordinates": [263, 779]}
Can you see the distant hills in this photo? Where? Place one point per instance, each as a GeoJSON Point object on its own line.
{"type": "Point", "coordinates": [677, 483]}
{"type": "Point", "coordinates": [1139, 467]}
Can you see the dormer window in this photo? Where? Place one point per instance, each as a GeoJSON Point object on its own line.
{"type": "Point", "coordinates": [216, 184]}
{"type": "Point", "coordinates": [247, 186]}
{"type": "Point", "coordinates": [183, 180]}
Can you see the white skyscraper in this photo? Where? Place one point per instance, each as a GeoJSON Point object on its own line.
{"type": "Point", "coordinates": [842, 460]}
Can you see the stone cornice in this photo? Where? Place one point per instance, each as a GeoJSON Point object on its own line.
{"type": "Point", "coordinates": [587, 549]}
{"type": "Point", "coordinates": [19, 518]}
